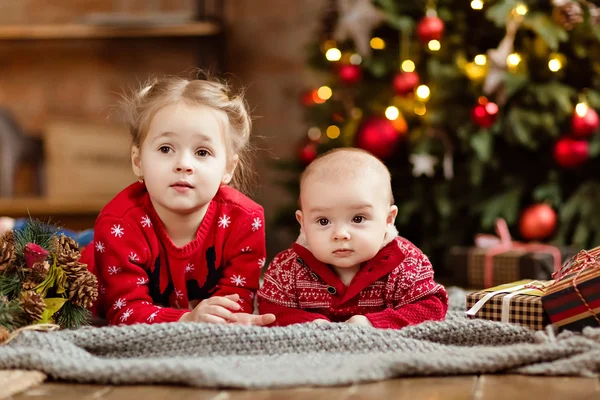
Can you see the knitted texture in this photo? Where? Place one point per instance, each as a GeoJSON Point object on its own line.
{"type": "Point", "coordinates": [206, 355]}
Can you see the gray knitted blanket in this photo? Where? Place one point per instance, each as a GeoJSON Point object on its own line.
{"type": "Point", "coordinates": [251, 357]}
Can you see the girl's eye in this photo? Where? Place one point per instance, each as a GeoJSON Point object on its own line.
{"type": "Point", "coordinates": [358, 219]}
{"type": "Point", "coordinates": [202, 153]}
{"type": "Point", "coordinates": [164, 149]}
{"type": "Point", "coordinates": [323, 221]}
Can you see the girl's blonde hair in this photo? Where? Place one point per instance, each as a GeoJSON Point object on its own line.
{"type": "Point", "coordinates": [140, 106]}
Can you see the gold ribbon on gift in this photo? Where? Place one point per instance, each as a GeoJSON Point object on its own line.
{"type": "Point", "coordinates": [503, 243]}
{"type": "Point", "coordinates": [528, 287]}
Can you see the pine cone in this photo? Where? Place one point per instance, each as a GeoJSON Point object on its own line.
{"type": "Point", "coordinates": [29, 284]}
{"type": "Point", "coordinates": [7, 250]}
{"type": "Point", "coordinates": [67, 250]}
{"type": "Point", "coordinates": [32, 304]}
{"type": "Point", "coordinates": [84, 291]}
{"type": "Point", "coordinates": [567, 13]}
{"type": "Point", "coordinates": [74, 270]}
{"type": "Point", "coordinates": [4, 334]}
{"type": "Point", "coordinates": [39, 271]}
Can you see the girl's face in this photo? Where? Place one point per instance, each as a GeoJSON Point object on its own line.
{"type": "Point", "coordinates": [183, 159]}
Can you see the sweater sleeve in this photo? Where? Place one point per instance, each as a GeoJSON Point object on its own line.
{"type": "Point", "coordinates": [120, 255]}
{"type": "Point", "coordinates": [278, 296]}
{"type": "Point", "coordinates": [244, 256]}
{"type": "Point", "coordinates": [418, 297]}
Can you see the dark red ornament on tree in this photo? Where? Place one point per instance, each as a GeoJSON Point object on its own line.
{"type": "Point", "coordinates": [537, 222]}
{"type": "Point", "coordinates": [378, 136]}
{"type": "Point", "coordinates": [405, 82]}
{"type": "Point", "coordinates": [430, 28]}
{"type": "Point", "coordinates": [484, 114]}
{"type": "Point", "coordinates": [584, 122]}
{"type": "Point", "coordinates": [350, 74]}
{"type": "Point", "coordinates": [571, 153]}
{"type": "Point", "coordinates": [307, 152]}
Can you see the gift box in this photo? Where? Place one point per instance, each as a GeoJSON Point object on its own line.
{"type": "Point", "coordinates": [496, 260]}
{"type": "Point", "coordinates": [468, 266]}
{"type": "Point", "coordinates": [573, 301]}
{"type": "Point", "coordinates": [517, 302]}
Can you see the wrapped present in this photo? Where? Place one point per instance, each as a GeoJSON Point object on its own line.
{"type": "Point", "coordinates": [496, 260]}
{"type": "Point", "coordinates": [517, 302]}
{"type": "Point", "coordinates": [573, 301]}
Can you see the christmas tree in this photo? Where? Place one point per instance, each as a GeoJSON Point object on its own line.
{"type": "Point", "coordinates": [481, 110]}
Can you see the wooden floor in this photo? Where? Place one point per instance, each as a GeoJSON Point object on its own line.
{"type": "Point", "coordinates": [486, 387]}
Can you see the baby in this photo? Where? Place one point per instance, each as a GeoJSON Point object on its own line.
{"type": "Point", "coordinates": [349, 264]}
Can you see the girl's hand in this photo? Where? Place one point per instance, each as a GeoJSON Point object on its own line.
{"type": "Point", "coordinates": [215, 310]}
{"type": "Point", "coordinates": [253, 319]}
{"type": "Point", "coordinates": [359, 320]}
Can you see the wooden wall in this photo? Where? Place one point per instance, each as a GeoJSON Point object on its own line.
{"type": "Point", "coordinates": [265, 51]}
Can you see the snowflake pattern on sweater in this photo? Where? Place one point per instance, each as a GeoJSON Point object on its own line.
{"type": "Point", "coordinates": [394, 289]}
{"type": "Point", "coordinates": [146, 278]}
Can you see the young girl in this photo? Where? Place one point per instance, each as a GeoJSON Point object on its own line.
{"type": "Point", "coordinates": [181, 244]}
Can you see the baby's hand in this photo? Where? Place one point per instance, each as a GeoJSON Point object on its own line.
{"type": "Point", "coordinates": [320, 321]}
{"type": "Point", "coordinates": [215, 310]}
{"type": "Point", "coordinates": [359, 320]}
{"type": "Point", "coordinates": [253, 319]}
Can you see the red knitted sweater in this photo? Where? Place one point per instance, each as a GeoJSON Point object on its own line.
{"type": "Point", "coordinates": [394, 289]}
{"type": "Point", "coordinates": [144, 277]}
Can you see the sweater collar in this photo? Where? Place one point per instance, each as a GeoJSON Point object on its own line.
{"type": "Point", "coordinates": [384, 262]}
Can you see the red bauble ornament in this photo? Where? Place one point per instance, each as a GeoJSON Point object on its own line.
{"type": "Point", "coordinates": [484, 114]}
{"type": "Point", "coordinates": [378, 136]}
{"type": "Point", "coordinates": [350, 74]}
{"type": "Point", "coordinates": [571, 153]}
{"type": "Point", "coordinates": [537, 222]}
{"type": "Point", "coordinates": [307, 153]}
{"type": "Point", "coordinates": [430, 28]}
{"type": "Point", "coordinates": [584, 125]}
{"type": "Point", "coordinates": [405, 82]}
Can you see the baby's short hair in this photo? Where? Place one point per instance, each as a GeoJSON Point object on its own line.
{"type": "Point", "coordinates": [346, 163]}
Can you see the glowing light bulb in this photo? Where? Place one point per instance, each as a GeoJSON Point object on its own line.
{"type": "Point", "coordinates": [324, 92]}
{"type": "Point", "coordinates": [314, 133]}
{"type": "Point", "coordinates": [377, 43]}
{"type": "Point", "coordinates": [581, 109]}
{"type": "Point", "coordinates": [434, 45]}
{"type": "Point", "coordinates": [333, 132]}
{"type": "Point", "coordinates": [423, 92]}
{"type": "Point", "coordinates": [420, 109]}
{"type": "Point", "coordinates": [408, 66]}
{"type": "Point", "coordinates": [513, 59]}
{"type": "Point", "coordinates": [477, 4]}
{"type": "Point", "coordinates": [554, 64]}
{"type": "Point", "coordinates": [355, 59]}
{"type": "Point", "coordinates": [521, 9]}
{"type": "Point", "coordinates": [392, 113]}
{"type": "Point", "coordinates": [333, 54]}
{"type": "Point", "coordinates": [480, 59]}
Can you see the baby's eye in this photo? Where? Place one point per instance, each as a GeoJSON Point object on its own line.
{"type": "Point", "coordinates": [202, 153]}
{"type": "Point", "coordinates": [164, 149]}
{"type": "Point", "coordinates": [323, 221]}
{"type": "Point", "coordinates": [358, 219]}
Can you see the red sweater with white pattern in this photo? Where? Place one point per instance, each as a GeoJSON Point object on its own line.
{"type": "Point", "coordinates": [393, 290]}
{"type": "Point", "coordinates": [144, 277]}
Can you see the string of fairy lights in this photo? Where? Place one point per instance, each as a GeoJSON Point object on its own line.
{"type": "Point", "coordinates": [478, 69]}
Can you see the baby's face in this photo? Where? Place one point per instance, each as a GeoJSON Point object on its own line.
{"type": "Point", "coordinates": [345, 221]}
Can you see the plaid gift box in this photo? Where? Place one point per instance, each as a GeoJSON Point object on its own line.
{"type": "Point", "coordinates": [573, 301]}
{"type": "Point", "coordinates": [514, 302]}
{"type": "Point", "coordinates": [468, 265]}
